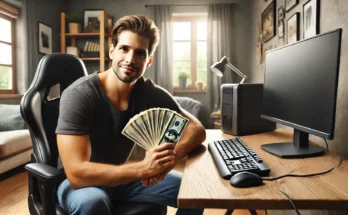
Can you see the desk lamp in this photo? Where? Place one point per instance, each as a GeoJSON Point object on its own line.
{"type": "Point", "coordinates": [218, 68]}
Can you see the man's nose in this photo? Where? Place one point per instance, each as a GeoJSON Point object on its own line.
{"type": "Point", "coordinates": [130, 58]}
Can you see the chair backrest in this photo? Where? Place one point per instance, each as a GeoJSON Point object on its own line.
{"type": "Point", "coordinates": [192, 106]}
{"type": "Point", "coordinates": [39, 112]}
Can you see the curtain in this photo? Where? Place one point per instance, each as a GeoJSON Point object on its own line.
{"type": "Point", "coordinates": [163, 56]}
{"type": "Point", "coordinates": [219, 42]}
{"type": "Point", "coordinates": [31, 57]}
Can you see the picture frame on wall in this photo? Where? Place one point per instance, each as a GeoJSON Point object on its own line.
{"type": "Point", "coordinates": [311, 18]}
{"type": "Point", "coordinates": [289, 4]}
{"type": "Point", "coordinates": [268, 22]}
{"type": "Point", "coordinates": [293, 24]}
{"type": "Point", "coordinates": [45, 38]}
{"type": "Point", "coordinates": [281, 17]}
{"type": "Point", "coordinates": [91, 20]}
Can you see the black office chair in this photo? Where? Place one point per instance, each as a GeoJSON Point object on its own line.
{"type": "Point", "coordinates": [41, 115]}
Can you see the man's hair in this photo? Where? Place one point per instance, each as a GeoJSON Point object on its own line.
{"type": "Point", "coordinates": [140, 25]}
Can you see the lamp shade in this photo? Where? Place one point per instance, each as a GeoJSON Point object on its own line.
{"type": "Point", "coordinates": [219, 67]}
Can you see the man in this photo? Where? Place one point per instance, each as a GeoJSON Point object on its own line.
{"type": "Point", "coordinates": [93, 112]}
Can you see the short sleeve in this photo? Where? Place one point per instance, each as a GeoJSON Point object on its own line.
{"type": "Point", "coordinates": [76, 113]}
{"type": "Point", "coordinates": [163, 99]}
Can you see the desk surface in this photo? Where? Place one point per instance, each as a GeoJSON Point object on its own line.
{"type": "Point", "coordinates": [202, 186]}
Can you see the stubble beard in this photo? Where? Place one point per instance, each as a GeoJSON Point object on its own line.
{"type": "Point", "coordinates": [126, 79]}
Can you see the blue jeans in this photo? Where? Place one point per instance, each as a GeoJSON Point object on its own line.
{"type": "Point", "coordinates": [95, 200]}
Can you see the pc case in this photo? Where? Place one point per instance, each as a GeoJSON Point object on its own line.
{"type": "Point", "coordinates": [241, 106]}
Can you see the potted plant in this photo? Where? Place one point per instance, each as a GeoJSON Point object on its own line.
{"type": "Point", "coordinates": [74, 24]}
{"type": "Point", "coordinates": [182, 79]}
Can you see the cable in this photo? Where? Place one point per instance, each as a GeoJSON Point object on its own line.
{"type": "Point", "coordinates": [305, 175]}
{"type": "Point", "coordinates": [293, 175]}
{"type": "Point", "coordinates": [327, 146]}
{"type": "Point", "coordinates": [290, 200]}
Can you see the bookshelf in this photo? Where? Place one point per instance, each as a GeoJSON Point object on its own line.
{"type": "Point", "coordinates": [102, 35]}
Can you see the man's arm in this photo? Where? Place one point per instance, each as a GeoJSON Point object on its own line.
{"type": "Point", "coordinates": [75, 152]}
{"type": "Point", "coordinates": [193, 136]}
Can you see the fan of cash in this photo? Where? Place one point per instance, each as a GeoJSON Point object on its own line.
{"type": "Point", "coordinates": [155, 126]}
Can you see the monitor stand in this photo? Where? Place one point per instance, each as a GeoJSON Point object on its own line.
{"type": "Point", "coordinates": [299, 148]}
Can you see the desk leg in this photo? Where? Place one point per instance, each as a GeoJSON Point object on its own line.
{"type": "Point", "coordinates": [229, 212]}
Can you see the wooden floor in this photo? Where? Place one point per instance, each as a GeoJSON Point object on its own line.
{"type": "Point", "coordinates": [14, 192]}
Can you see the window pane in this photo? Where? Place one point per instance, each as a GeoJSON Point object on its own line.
{"type": "Point", "coordinates": [180, 66]}
{"type": "Point", "coordinates": [202, 30]}
{"type": "Point", "coordinates": [202, 71]}
{"type": "Point", "coordinates": [5, 26]}
{"type": "Point", "coordinates": [5, 78]}
{"type": "Point", "coordinates": [5, 54]}
{"type": "Point", "coordinates": [182, 51]}
{"type": "Point", "coordinates": [201, 50]}
{"type": "Point", "coordinates": [182, 30]}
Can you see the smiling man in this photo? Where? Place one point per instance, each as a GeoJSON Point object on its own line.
{"type": "Point", "coordinates": [93, 112]}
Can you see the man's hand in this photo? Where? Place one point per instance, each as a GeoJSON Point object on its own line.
{"type": "Point", "coordinates": [151, 181]}
{"type": "Point", "coordinates": [158, 159]}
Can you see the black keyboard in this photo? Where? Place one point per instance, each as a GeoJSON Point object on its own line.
{"type": "Point", "coordinates": [233, 156]}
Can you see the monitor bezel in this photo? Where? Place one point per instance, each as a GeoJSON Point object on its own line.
{"type": "Point", "coordinates": [325, 135]}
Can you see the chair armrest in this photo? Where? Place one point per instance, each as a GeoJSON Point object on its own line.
{"type": "Point", "coordinates": [46, 178]}
{"type": "Point", "coordinates": [45, 173]}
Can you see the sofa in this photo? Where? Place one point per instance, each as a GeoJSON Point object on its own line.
{"type": "Point", "coordinates": [15, 142]}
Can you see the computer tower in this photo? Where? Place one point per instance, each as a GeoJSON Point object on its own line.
{"type": "Point", "coordinates": [241, 106]}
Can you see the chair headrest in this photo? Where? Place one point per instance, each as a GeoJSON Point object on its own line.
{"type": "Point", "coordinates": [58, 68]}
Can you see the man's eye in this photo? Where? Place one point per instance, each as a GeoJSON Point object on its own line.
{"type": "Point", "coordinates": [124, 48]}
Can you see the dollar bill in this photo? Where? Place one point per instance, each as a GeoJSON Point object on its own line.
{"type": "Point", "coordinates": [174, 129]}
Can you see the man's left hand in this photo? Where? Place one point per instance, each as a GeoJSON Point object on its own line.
{"type": "Point", "coordinates": [151, 181]}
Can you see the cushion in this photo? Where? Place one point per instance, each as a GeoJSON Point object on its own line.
{"type": "Point", "coordinates": [14, 142]}
{"type": "Point", "coordinates": [10, 118]}
{"type": "Point", "coordinates": [192, 106]}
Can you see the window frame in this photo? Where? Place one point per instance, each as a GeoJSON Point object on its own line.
{"type": "Point", "coordinates": [9, 13]}
{"type": "Point", "coordinates": [193, 19]}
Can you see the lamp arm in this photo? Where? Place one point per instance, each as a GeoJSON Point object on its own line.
{"type": "Point", "coordinates": [236, 70]}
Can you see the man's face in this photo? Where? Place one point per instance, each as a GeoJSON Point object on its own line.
{"type": "Point", "coordinates": [130, 57]}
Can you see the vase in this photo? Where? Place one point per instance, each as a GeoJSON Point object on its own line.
{"type": "Point", "coordinates": [74, 28]}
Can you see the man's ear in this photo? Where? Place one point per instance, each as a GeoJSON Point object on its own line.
{"type": "Point", "coordinates": [111, 50]}
{"type": "Point", "coordinates": [150, 62]}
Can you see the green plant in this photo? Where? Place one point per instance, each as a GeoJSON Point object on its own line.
{"type": "Point", "coordinates": [74, 19]}
{"type": "Point", "coordinates": [183, 75]}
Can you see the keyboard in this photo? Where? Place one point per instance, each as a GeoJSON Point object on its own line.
{"type": "Point", "coordinates": [233, 156]}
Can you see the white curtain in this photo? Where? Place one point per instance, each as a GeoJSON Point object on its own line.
{"type": "Point", "coordinates": [220, 42]}
{"type": "Point", "coordinates": [163, 56]}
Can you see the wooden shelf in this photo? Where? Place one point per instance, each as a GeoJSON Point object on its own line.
{"type": "Point", "coordinates": [94, 59]}
{"type": "Point", "coordinates": [86, 35]}
{"type": "Point", "coordinates": [102, 35]}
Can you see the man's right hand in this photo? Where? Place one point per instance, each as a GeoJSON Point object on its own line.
{"type": "Point", "coordinates": [158, 159]}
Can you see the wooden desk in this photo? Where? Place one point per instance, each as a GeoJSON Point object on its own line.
{"type": "Point", "coordinates": [202, 186]}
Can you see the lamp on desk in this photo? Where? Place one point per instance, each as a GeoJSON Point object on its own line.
{"type": "Point", "coordinates": [219, 67]}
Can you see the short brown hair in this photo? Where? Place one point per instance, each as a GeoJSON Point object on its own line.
{"type": "Point", "coordinates": [140, 25]}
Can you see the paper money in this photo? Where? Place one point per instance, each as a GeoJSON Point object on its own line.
{"type": "Point", "coordinates": [155, 126]}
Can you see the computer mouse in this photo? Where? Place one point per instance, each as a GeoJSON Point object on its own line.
{"type": "Point", "coordinates": [246, 179]}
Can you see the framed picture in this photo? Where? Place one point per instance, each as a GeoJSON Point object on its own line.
{"type": "Point", "coordinates": [293, 28]}
{"type": "Point", "coordinates": [268, 21]}
{"type": "Point", "coordinates": [281, 17]}
{"type": "Point", "coordinates": [289, 4]}
{"type": "Point", "coordinates": [45, 39]}
{"type": "Point", "coordinates": [91, 19]}
{"type": "Point", "coordinates": [311, 18]}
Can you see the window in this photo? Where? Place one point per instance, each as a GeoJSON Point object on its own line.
{"type": "Point", "coordinates": [190, 50]}
{"type": "Point", "coordinates": [8, 16]}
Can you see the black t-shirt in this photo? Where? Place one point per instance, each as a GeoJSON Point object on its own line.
{"type": "Point", "coordinates": [85, 109]}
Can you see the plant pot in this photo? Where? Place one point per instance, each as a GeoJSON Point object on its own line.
{"type": "Point", "coordinates": [74, 28]}
{"type": "Point", "coordinates": [182, 83]}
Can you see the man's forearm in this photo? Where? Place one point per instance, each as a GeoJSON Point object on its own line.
{"type": "Point", "coordinates": [193, 137]}
{"type": "Point", "coordinates": [98, 174]}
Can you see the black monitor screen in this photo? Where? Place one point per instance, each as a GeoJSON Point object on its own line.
{"type": "Point", "coordinates": [300, 84]}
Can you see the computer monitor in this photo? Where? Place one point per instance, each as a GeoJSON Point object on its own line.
{"type": "Point", "coordinates": [300, 90]}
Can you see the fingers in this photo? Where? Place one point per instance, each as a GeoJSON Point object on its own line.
{"type": "Point", "coordinates": [167, 159]}
{"type": "Point", "coordinates": [163, 146]}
